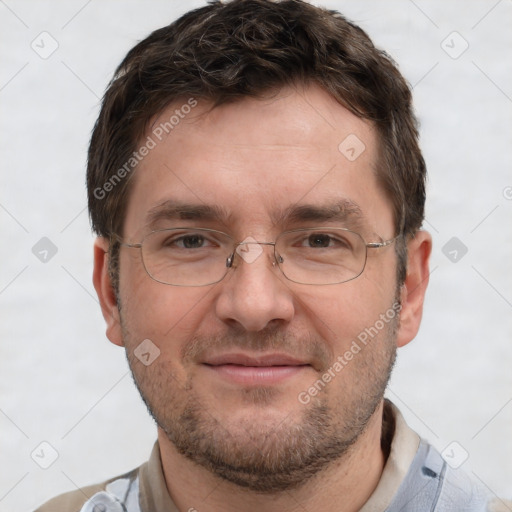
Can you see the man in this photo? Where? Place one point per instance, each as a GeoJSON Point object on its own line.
{"type": "Point", "coordinates": [257, 189]}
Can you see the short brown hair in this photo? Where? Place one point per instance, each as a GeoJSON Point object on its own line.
{"type": "Point", "coordinates": [226, 51]}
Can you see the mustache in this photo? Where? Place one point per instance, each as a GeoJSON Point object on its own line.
{"type": "Point", "coordinates": [304, 346]}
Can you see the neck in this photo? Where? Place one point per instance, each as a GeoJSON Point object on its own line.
{"type": "Point", "coordinates": [344, 486]}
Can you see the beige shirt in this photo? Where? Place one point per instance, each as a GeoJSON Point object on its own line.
{"type": "Point", "coordinates": [154, 496]}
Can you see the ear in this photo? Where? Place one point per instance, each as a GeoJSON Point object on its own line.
{"type": "Point", "coordinates": [105, 291]}
{"type": "Point", "coordinates": [415, 285]}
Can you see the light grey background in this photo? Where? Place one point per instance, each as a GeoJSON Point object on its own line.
{"type": "Point", "coordinates": [62, 382]}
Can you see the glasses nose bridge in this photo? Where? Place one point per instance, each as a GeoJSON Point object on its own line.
{"type": "Point", "coordinates": [256, 242]}
{"type": "Point", "coordinates": [230, 259]}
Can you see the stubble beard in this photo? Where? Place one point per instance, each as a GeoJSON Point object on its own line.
{"type": "Point", "coordinates": [276, 456]}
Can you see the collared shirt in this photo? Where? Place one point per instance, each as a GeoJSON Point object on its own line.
{"type": "Point", "coordinates": [415, 478]}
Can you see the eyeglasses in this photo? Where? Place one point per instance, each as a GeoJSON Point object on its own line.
{"type": "Point", "coordinates": [201, 257]}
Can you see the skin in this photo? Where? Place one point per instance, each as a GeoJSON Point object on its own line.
{"type": "Point", "coordinates": [255, 157]}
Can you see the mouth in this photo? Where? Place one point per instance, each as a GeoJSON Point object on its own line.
{"type": "Point", "coordinates": [254, 370]}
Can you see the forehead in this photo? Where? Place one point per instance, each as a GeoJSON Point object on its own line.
{"type": "Point", "coordinates": [255, 160]}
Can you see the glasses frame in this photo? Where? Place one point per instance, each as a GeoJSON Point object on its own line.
{"type": "Point", "coordinates": [277, 258]}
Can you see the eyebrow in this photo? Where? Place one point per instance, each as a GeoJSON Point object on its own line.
{"type": "Point", "coordinates": [343, 210]}
{"type": "Point", "coordinates": [177, 210]}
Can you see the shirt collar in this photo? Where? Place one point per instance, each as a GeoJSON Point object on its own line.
{"type": "Point", "coordinates": [404, 445]}
{"type": "Point", "coordinates": [153, 489]}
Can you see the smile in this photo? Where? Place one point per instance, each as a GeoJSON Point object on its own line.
{"type": "Point", "coordinates": [249, 370]}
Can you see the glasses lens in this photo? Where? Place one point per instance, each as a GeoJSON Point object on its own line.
{"type": "Point", "coordinates": [321, 255]}
{"type": "Point", "coordinates": [186, 257]}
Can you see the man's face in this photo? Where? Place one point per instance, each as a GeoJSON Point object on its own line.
{"type": "Point", "coordinates": [212, 389]}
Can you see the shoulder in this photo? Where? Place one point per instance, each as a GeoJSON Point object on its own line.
{"type": "Point", "coordinates": [71, 501]}
{"type": "Point", "coordinates": [74, 501]}
{"type": "Point", "coordinates": [499, 505]}
{"type": "Point", "coordinates": [432, 481]}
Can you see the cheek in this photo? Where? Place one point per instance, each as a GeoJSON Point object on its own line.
{"type": "Point", "coordinates": [166, 315]}
{"type": "Point", "coordinates": [169, 318]}
{"type": "Point", "coordinates": [339, 314]}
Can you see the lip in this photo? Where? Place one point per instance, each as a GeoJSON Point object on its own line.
{"type": "Point", "coordinates": [256, 370]}
{"type": "Point", "coordinates": [240, 359]}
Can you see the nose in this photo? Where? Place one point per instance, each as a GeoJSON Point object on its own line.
{"type": "Point", "coordinates": [255, 294]}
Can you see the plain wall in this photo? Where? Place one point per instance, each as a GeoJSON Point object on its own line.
{"type": "Point", "coordinates": [62, 382]}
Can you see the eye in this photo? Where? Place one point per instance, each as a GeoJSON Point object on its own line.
{"type": "Point", "coordinates": [191, 241]}
{"type": "Point", "coordinates": [326, 240]}
{"type": "Point", "coordinates": [187, 241]}
{"type": "Point", "coordinates": [319, 240]}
